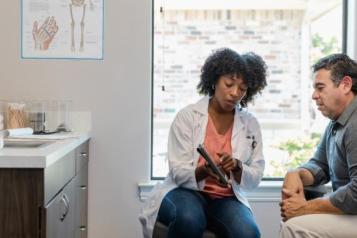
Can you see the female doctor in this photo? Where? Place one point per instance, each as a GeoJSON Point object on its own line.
{"type": "Point", "coordinates": [191, 198]}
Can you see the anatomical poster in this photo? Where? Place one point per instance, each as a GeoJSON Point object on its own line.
{"type": "Point", "coordinates": [62, 29]}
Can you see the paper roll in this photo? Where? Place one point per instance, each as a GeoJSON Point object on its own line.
{"type": "Point", "coordinates": [1, 122]}
{"type": "Point", "coordinates": [2, 135]}
{"type": "Point", "coordinates": [20, 131]}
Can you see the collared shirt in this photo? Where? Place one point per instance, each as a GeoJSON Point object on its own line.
{"type": "Point", "coordinates": [335, 160]}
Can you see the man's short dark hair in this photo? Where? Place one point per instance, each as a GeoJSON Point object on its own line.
{"type": "Point", "coordinates": [339, 65]}
{"type": "Point", "coordinates": [225, 61]}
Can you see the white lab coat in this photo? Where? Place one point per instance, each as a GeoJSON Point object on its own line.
{"type": "Point", "coordinates": [187, 131]}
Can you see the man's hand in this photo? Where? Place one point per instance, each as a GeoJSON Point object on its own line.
{"type": "Point", "coordinates": [292, 185]}
{"type": "Point", "coordinates": [293, 205]}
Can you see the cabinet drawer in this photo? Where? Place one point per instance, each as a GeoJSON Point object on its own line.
{"type": "Point", "coordinates": [58, 175]}
{"type": "Point", "coordinates": [82, 156]}
{"type": "Point", "coordinates": [60, 214]}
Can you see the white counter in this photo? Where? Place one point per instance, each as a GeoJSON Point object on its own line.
{"type": "Point", "coordinates": [43, 156]}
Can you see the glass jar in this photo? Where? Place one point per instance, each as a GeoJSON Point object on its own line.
{"type": "Point", "coordinates": [37, 116]}
{"type": "Point", "coordinates": [15, 115]}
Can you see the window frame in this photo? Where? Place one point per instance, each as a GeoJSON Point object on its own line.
{"type": "Point", "coordinates": [343, 47]}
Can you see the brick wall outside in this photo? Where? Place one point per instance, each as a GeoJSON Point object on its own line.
{"type": "Point", "coordinates": [184, 39]}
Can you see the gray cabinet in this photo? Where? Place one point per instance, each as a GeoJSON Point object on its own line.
{"type": "Point", "coordinates": [46, 203]}
{"type": "Point", "coordinates": [66, 214]}
{"type": "Point", "coordinates": [60, 213]}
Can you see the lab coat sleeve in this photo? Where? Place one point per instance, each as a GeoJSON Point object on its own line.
{"type": "Point", "coordinates": [181, 151]}
{"type": "Point", "coordinates": [253, 168]}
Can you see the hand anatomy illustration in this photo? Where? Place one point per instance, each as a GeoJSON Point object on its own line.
{"type": "Point", "coordinates": [44, 34]}
{"type": "Point", "coordinates": [80, 4]}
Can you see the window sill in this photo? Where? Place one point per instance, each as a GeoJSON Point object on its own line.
{"type": "Point", "coordinates": [268, 191]}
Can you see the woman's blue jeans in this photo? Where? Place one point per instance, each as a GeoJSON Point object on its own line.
{"type": "Point", "coordinates": [187, 213]}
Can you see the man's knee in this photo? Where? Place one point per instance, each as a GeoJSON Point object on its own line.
{"type": "Point", "coordinates": [294, 228]}
{"type": "Point", "coordinates": [286, 230]}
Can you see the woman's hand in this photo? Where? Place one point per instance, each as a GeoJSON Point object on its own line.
{"type": "Point", "coordinates": [227, 162]}
{"type": "Point", "coordinates": [203, 171]}
{"type": "Point", "coordinates": [228, 165]}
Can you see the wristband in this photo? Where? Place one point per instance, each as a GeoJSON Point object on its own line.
{"type": "Point", "coordinates": [238, 166]}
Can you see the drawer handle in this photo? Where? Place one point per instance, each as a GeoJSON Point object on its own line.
{"type": "Point", "coordinates": [84, 155]}
{"type": "Point", "coordinates": [83, 187]}
{"type": "Point", "coordinates": [66, 203]}
{"type": "Point", "coordinates": [82, 228]}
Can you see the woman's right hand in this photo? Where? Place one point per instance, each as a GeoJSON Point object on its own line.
{"type": "Point", "coordinates": [210, 172]}
{"type": "Point", "coordinates": [204, 171]}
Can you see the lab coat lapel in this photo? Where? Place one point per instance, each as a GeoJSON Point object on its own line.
{"type": "Point", "coordinates": [201, 119]}
{"type": "Point", "coordinates": [238, 129]}
{"type": "Point", "coordinates": [238, 125]}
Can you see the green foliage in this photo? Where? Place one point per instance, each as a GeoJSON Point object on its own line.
{"type": "Point", "coordinates": [327, 46]}
{"type": "Point", "coordinates": [299, 151]}
{"type": "Point", "coordinates": [323, 46]}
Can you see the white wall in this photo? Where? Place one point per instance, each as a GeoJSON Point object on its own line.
{"type": "Point", "coordinates": [116, 91]}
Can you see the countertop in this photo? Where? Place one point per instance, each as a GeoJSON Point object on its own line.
{"type": "Point", "coordinates": [42, 156]}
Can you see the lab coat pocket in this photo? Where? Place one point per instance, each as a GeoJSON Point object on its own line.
{"type": "Point", "coordinates": [245, 151]}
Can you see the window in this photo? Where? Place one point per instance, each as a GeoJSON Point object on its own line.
{"type": "Point", "coordinates": [289, 34]}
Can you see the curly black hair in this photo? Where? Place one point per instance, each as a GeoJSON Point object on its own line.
{"type": "Point", "coordinates": [250, 67]}
{"type": "Point", "coordinates": [255, 77]}
{"type": "Point", "coordinates": [340, 66]}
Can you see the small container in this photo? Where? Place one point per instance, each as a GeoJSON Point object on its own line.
{"type": "Point", "coordinates": [37, 116]}
{"type": "Point", "coordinates": [64, 119]}
{"type": "Point", "coordinates": [15, 114]}
{"type": "Point", "coordinates": [58, 116]}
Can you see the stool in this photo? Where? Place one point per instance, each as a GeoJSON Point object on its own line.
{"type": "Point", "coordinates": [160, 231]}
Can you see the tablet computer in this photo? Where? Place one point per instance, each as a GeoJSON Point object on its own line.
{"type": "Point", "coordinates": [202, 151]}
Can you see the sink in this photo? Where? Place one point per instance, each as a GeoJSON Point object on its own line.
{"type": "Point", "coordinates": [25, 144]}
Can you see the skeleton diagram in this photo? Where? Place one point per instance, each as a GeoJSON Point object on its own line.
{"type": "Point", "coordinates": [80, 4]}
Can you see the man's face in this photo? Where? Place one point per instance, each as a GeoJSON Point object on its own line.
{"type": "Point", "coordinates": [329, 98]}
